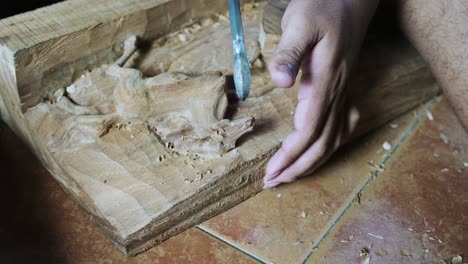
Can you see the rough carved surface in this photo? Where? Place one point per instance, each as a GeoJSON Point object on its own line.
{"type": "Point", "coordinates": [138, 143]}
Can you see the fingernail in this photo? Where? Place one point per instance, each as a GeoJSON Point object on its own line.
{"type": "Point", "coordinates": [288, 69]}
{"type": "Point", "coordinates": [269, 185]}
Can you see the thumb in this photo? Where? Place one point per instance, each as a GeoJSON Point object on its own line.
{"type": "Point", "coordinates": [295, 43]}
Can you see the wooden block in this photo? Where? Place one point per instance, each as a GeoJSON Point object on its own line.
{"type": "Point", "coordinates": [116, 178]}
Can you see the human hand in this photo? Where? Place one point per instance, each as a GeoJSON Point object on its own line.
{"type": "Point", "coordinates": [322, 38]}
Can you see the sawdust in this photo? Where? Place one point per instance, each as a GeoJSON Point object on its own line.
{"type": "Point", "coordinates": [387, 146]}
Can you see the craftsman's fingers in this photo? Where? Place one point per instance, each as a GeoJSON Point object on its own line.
{"type": "Point", "coordinates": [298, 37]}
{"type": "Point", "coordinates": [315, 95]}
{"type": "Point", "coordinates": [314, 155]}
{"type": "Point", "coordinates": [336, 132]}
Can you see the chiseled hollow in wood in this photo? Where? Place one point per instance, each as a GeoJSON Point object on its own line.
{"type": "Point", "coordinates": [135, 198]}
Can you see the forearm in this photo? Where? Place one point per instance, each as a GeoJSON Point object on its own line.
{"type": "Point", "coordinates": [438, 29]}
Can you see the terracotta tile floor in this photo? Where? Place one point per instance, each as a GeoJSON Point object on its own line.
{"type": "Point", "coordinates": [396, 205]}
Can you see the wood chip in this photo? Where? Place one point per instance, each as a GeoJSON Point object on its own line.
{"type": "Point", "coordinates": [304, 214]}
{"type": "Point", "coordinates": [393, 125]}
{"type": "Point", "coordinates": [387, 145]}
{"type": "Point", "coordinates": [71, 89]}
{"type": "Point", "coordinates": [405, 253]}
{"type": "Point", "coordinates": [279, 195]}
{"type": "Point", "coordinates": [381, 252]}
{"type": "Point", "coordinates": [363, 253]}
{"type": "Point", "coordinates": [457, 260]}
{"type": "Point", "coordinates": [444, 138]}
{"type": "Point", "coordinates": [429, 115]}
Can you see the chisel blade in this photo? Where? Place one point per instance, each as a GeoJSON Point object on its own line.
{"type": "Point", "coordinates": [242, 75]}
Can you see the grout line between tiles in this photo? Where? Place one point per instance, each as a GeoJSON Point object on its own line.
{"type": "Point", "coordinates": [217, 237]}
{"type": "Point", "coordinates": [375, 174]}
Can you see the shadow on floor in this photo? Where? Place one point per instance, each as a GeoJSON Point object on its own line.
{"type": "Point", "coordinates": [25, 226]}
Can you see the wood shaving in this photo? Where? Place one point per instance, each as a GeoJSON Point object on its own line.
{"type": "Point", "coordinates": [444, 170]}
{"type": "Point", "coordinates": [393, 125]}
{"type": "Point", "coordinates": [376, 236]}
{"type": "Point", "coordinates": [304, 214]}
{"type": "Point", "coordinates": [444, 138]}
{"type": "Point", "coordinates": [279, 195]}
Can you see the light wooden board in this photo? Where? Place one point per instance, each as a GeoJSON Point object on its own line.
{"type": "Point", "coordinates": [135, 199]}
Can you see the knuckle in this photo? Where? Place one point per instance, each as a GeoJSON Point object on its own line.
{"type": "Point", "coordinates": [293, 55]}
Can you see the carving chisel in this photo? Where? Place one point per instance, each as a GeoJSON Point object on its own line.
{"type": "Point", "coordinates": [242, 75]}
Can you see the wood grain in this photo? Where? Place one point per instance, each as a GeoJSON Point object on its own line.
{"type": "Point", "coordinates": [134, 198]}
